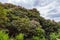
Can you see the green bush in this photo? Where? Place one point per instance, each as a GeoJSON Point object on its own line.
{"type": "Point", "coordinates": [3, 36]}
{"type": "Point", "coordinates": [36, 38]}
{"type": "Point", "coordinates": [53, 36]}
{"type": "Point", "coordinates": [27, 22]}
{"type": "Point", "coordinates": [58, 35]}
{"type": "Point", "coordinates": [20, 37]}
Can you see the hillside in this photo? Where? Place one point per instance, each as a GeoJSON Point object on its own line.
{"type": "Point", "coordinates": [19, 23]}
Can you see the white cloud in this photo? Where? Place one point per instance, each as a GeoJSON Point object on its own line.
{"type": "Point", "coordinates": [24, 3]}
{"type": "Point", "coordinates": [12, 1]}
{"type": "Point", "coordinates": [51, 9]}
{"type": "Point", "coordinates": [3, 1]}
{"type": "Point", "coordinates": [45, 9]}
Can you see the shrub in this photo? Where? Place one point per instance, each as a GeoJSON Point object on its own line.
{"type": "Point", "coordinates": [58, 35]}
{"type": "Point", "coordinates": [36, 38]}
{"type": "Point", "coordinates": [3, 36]}
{"type": "Point", "coordinates": [53, 36]}
{"type": "Point", "coordinates": [20, 37]}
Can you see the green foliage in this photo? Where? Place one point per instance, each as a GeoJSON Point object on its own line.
{"type": "Point", "coordinates": [39, 30]}
{"type": "Point", "coordinates": [40, 34]}
{"type": "Point", "coordinates": [27, 22]}
{"type": "Point", "coordinates": [3, 35]}
{"type": "Point", "coordinates": [58, 35]}
{"type": "Point", "coordinates": [20, 37]}
{"type": "Point", "coordinates": [36, 38]}
{"type": "Point", "coordinates": [53, 36]}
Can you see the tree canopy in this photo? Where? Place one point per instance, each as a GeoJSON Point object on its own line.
{"type": "Point", "coordinates": [19, 23]}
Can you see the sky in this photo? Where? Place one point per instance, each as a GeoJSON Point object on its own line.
{"type": "Point", "coordinates": [49, 9]}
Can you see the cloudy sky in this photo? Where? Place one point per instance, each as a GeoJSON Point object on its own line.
{"type": "Point", "coordinates": [50, 9]}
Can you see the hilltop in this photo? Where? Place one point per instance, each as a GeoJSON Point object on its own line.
{"type": "Point", "coordinates": [19, 23]}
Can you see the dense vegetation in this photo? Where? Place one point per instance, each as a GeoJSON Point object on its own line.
{"type": "Point", "coordinates": [18, 23]}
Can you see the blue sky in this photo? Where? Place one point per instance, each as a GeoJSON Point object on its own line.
{"type": "Point", "coordinates": [50, 9]}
